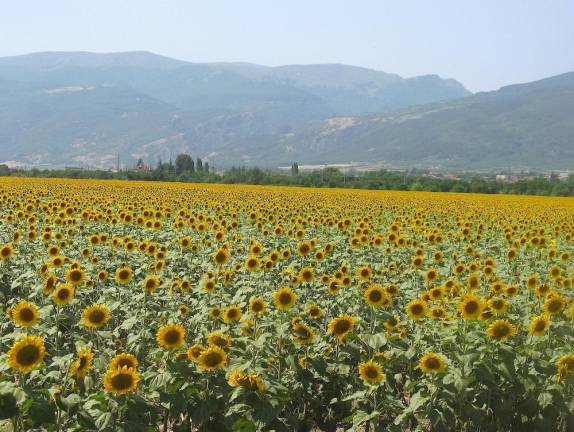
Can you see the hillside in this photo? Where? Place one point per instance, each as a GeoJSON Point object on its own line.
{"type": "Point", "coordinates": [520, 126]}
{"type": "Point", "coordinates": [83, 108]}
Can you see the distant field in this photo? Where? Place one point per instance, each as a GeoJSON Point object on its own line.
{"type": "Point", "coordinates": [137, 305]}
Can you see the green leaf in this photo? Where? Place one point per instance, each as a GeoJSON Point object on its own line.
{"type": "Point", "coordinates": [42, 413]}
{"type": "Point", "coordinates": [104, 420]}
{"type": "Point", "coordinates": [544, 399]}
{"type": "Point", "coordinates": [8, 406]}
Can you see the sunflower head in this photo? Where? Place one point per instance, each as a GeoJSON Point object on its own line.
{"type": "Point", "coordinates": [151, 283]}
{"type": "Point", "coordinates": [63, 294]}
{"type": "Point", "coordinates": [215, 313]}
{"type": "Point", "coordinates": [257, 306]}
{"type": "Point", "coordinates": [501, 330]}
{"type": "Point", "coordinates": [6, 252]}
{"type": "Point", "coordinates": [416, 309]}
{"type": "Point", "coordinates": [252, 382]}
{"type": "Point", "coordinates": [219, 339]}
{"type": "Point", "coordinates": [96, 316]}
{"type": "Point", "coordinates": [124, 275]}
{"type": "Point", "coordinates": [171, 336]}
{"type": "Point", "coordinates": [221, 257]}
{"type": "Point", "coordinates": [314, 311]}
{"type": "Point", "coordinates": [284, 298]}
{"type": "Point", "coordinates": [232, 313]}
{"type": "Point", "coordinates": [303, 334]}
{"type": "Point", "coordinates": [121, 381]}
{"type": "Point", "coordinates": [211, 359]}
{"type": "Point", "coordinates": [371, 372]}
{"type": "Point", "coordinates": [124, 360]}
{"type": "Point", "coordinates": [341, 326]}
{"type": "Point", "coordinates": [432, 363]}
{"type": "Point", "coordinates": [195, 351]}
{"type": "Point", "coordinates": [75, 276]}
{"type": "Point", "coordinates": [83, 363]}
{"type": "Point", "coordinates": [539, 325]}
{"type": "Point", "coordinates": [376, 296]}
{"type": "Point", "coordinates": [306, 274]}
{"type": "Point", "coordinates": [554, 304]}
{"type": "Point", "coordinates": [26, 353]}
{"type": "Point", "coordinates": [470, 307]}
{"type": "Point", "coordinates": [25, 314]}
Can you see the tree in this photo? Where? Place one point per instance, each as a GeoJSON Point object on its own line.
{"type": "Point", "coordinates": [183, 164]}
{"type": "Point", "coordinates": [295, 169]}
{"type": "Point", "coordinates": [206, 167]}
{"type": "Point", "coordinates": [199, 165]}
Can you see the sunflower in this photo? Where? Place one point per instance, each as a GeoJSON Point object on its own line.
{"type": "Point", "coordinates": [252, 382]}
{"type": "Point", "coordinates": [511, 290]}
{"type": "Point", "coordinates": [470, 306]}
{"type": "Point", "coordinates": [371, 372]}
{"type": "Point", "coordinates": [103, 275]}
{"type": "Point", "coordinates": [416, 309]}
{"type": "Point", "coordinates": [124, 360]}
{"type": "Point", "coordinates": [121, 381]}
{"type": "Point", "coordinates": [501, 330]}
{"type": "Point", "coordinates": [232, 313]}
{"type": "Point", "coordinates": [539, 325]}
{"type": "Point", "coordinates": [215, 313]}
{"type": "Point", "coordinates": [151, 283]}
{"type": "Point", "coordinates": [183, 309]}
{"type": "Point", "coordinates": [304, 248]}
{"type": "Point", "coordinates": [212, 358]}
{"type": "Point", "coordinates": [252, 263]}
{"type": "Point", "coordinates": [96, 316]}
{"type": "Point", "coordinates": [376, 296]}
{"type": "Point", "coordinates": [437, 313]}
{"type": "Point", "coordinates": [341, 326]}
{"type": "Point", "coordinates": [364, 273]}
{"type": "Point", "coordinates": [431, 275]}
{"type": "Point", "coordinates": [554, 304]}
{"type": "Point", "coordinates": [436, 293]}
{"type": "Point", "coordinates": [257, 306]}
{"type": "Point", "coordinates": [565, 365]}
{"type": "Point", "coordinates": [83, 363]}
{"type": "Point", "coordinates": [314, 311]}
{"type": "Point", "coordinates": [6, 252]}
{"type": "Point", "coordinates": [209, 286]}
{"type": "Point", "coordinates": [171, 336]}
{"type": "Point", "coordinates": [303, 334]}
{"type": "Point", "coordinates": [473, 281]}
{"type": "Point", "coordinates": [221, 257]}
{"type": "Point", "coordinates": [306, 274]}
{"type": "Point", "coordinates": [219, 339]}
{"type": "Point", "coordinates": [195, 351]}
{"type": "Point", "coordinates": [124, 275]}
{"type": "Point", "coordinates": [498, 305]}
{"type": "Point", "coordinates": [26, 353]}
{"type": "Point", "coordinates": [284, 298]}
{"type": "Point", "coordinates": [25, 314]}
{"type": "Point", "coordinates": [63, 294]}
{"type": "Point", "coordinates": [75, 276]}
{"type": "Point", "coordinates": [432, 363]}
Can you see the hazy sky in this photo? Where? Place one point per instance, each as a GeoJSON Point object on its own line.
{"type": "Point", "coordinates": [483, 43]}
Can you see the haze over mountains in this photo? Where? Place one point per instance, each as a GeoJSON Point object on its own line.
{"type": "Point", "coordinates": [82, 109]}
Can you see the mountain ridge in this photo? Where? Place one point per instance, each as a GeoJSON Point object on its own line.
{"type": "Point", "coordinates": [81, 108]}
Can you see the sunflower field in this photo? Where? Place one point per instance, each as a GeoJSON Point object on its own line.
{"type": "Point", "coordinates": [139, 306]}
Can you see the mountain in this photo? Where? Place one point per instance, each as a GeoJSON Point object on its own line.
{"type": "Point", "coordinates": [520, 126]}
{"type": "Point", "coordinates": [70, 108]}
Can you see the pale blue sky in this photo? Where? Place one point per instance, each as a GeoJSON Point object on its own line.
{"type": "Point", "coordinates": [483, 43]}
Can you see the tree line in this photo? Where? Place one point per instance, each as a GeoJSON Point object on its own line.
{"type": "Point", "coordinates": [186, 169]}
